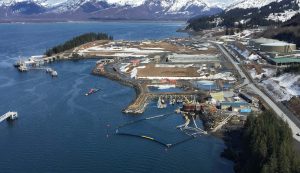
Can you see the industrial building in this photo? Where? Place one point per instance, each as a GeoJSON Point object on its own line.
{"type": "Point", "coordinates": [272, 46]}
{"type": "Point", "coordinates": [279, 47]}
{"type": "Point", "coordinates": [284, 61]}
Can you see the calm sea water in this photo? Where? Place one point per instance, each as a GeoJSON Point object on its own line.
{"type": "Point", "coordinates": [59, 130]}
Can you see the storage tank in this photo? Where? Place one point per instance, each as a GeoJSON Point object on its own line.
{"type": "Point", "coordinates": [279, 47]}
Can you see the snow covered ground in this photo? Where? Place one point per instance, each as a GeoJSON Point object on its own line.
{"type": "Point", "coordinates": [113, 51]}
{"type": "Point", "coordinates": [284, 87]}
{"type": "Point", "coordinates": [267, 73]}
{"type": "Point", "coordinates": [245, 53]}
{"type": "Point", "coordinates": [162, 87]}
{"type": "Point", "coordinates": [284, 16]}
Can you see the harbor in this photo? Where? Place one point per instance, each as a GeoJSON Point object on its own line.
{"type": "Point", "coordinates": [203, 86]}
{"type": "Point", "coordinates": [200, 80]}
{"type": "Point", "coordinates": [56, 114]}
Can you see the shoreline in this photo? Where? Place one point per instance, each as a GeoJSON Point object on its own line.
{"type": "Point", "coordinates": [90, 21]}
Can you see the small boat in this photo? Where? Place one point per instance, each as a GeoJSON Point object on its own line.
{"type": "Point", "coordinates": [161, 103]}
{"type": "Point", "coordinates": [92, 91]}
{"type": "Point", "coordinates": [179, 100]}
{"type": "Point", "coordinates": [49, 70]}
{"type": "Point", "coordinates": [54, 73]}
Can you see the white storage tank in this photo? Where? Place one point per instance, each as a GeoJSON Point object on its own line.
{"type": "Point", "coordinates": [279, 47]}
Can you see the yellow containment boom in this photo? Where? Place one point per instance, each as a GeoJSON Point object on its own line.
{"type": "Point", "coordinates": [147, 137]}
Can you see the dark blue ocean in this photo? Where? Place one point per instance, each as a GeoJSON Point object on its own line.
{"type": "Point", "coordinates": [59, 130]}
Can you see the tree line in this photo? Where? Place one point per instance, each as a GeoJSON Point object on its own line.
{"type": "Point", "coordinates": [77, 41]}
{"type": "Point", "coordinates": [295, 69]}
{"type": "Point", "coordinates": [267, 146]}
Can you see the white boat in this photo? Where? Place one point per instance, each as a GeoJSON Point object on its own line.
{"type": "Point", "coordinates": [54, 73]}
{"type": "Point", "coordinates": [161, 103]}
{"type": "Point", "coordinates": [49, 70]}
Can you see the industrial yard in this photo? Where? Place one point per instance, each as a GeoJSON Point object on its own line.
{"type": "Point", "coordinates": [271, 69]}
{"type": "Point", "coordinates": [193, 76]}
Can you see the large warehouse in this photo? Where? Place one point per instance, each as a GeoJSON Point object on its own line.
{"type": "Point", "coordinates": [272, 46]}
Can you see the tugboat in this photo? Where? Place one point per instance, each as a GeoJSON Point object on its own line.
{"type": "Point", "coordinates": [92, 91]}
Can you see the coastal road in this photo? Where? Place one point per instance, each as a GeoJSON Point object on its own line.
{"type": "Point", "coordinates": [270, 102]}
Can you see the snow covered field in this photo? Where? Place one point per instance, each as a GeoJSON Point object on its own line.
{"type": "Point", "coordinates": [284, 87]}
{"type": "Point", "coordinates": [267, 73]}
{"type": "Point", "coordinates": [112, 51]}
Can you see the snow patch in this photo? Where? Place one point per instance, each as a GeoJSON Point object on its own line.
{"type": "Point", "coordinates": [284, 87]}
{"type": "Point", "coordinates": [283, 17]}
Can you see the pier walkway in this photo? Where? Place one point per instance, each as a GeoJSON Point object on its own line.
{"type": "Point", "coordinates": [11, 115]}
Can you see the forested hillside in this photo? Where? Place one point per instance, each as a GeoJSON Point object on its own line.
{"type": "Point", "coordinates": [289, 31]}
{"type": "Point", "coordinates": [271, 14]}
{"type": "Point", "coordinates": [268, 146]}
{"type": "Point", "coordinates": [77, 41]}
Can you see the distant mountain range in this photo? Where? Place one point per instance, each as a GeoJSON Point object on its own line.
{"type": "Point", "coordinates": [202, 13]}
{"type": "Point", "coordinates": [11, 10]}
{"type": "Point", "coordinates": [249, 13]}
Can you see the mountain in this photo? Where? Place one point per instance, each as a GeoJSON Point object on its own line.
{"type": "Point", "coordinates": [245, 4]}
{"type": "Point", "coordinates": [250, 13]}
{"type": "Point", "coordinates": [106, 9]}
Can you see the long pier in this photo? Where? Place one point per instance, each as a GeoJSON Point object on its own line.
{"type": "Point", "coordinates": [9, 115]}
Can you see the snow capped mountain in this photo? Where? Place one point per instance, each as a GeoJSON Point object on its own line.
{"type": "Point", "coordinates": [135, 9]}
{"type": "Point", "coordinates": [132, 3]}
{"type": "Point", "coordinates": [111, 9]}
{"type": "Point", "coordinates": [244, 4]}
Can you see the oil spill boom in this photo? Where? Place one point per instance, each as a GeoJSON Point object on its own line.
{"type": "Point", "coordinates": [168, 145]}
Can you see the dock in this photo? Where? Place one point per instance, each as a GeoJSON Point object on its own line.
{"type": "Point", "coordinates": [139, 104]}
{"type": "Point", "coordinates": [9, 115]}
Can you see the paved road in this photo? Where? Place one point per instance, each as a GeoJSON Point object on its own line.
{"type": "Point", "coordinates": [276, 109]}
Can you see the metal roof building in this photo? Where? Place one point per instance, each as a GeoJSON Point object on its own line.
{"type": "Point", "coordinates": [284, 61]}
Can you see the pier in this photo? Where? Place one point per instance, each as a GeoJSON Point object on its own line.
{"type": "Point", "coordinates": [138, 105]}
{"type": "Point", "coordinates": [9, 116]}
